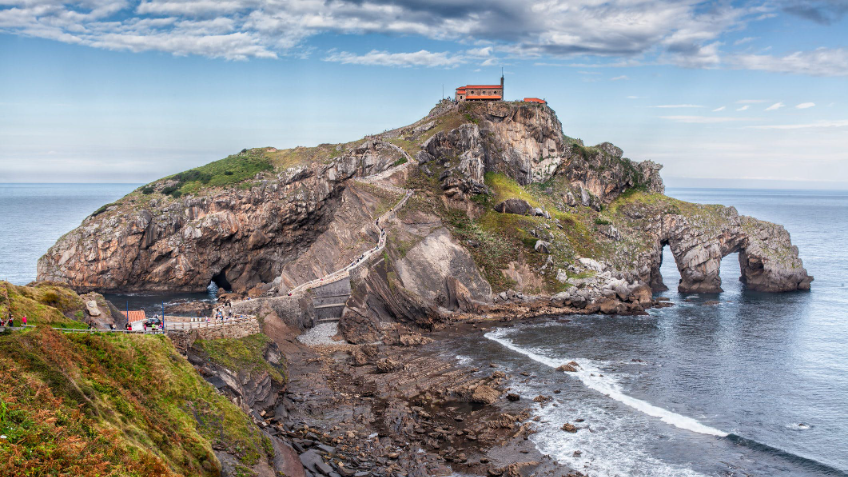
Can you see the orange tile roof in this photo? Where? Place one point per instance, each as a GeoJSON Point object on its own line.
{"type": "Point", "coordinates": [535, 100]}
{"type": "Point", "coordinates": [482, 86]}
{"type": "Point", "coordinates": [495, 96]}
{"type": "Point", "coordinates": [135, 315]}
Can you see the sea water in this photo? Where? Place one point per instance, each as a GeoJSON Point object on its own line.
{"type": "Point", "coordinates": [736, 383]}
{"type": "Point", "coordinates": [35, 216]}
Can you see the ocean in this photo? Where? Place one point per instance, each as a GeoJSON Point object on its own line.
{"type": "Point", "coordinates": [756, 384]}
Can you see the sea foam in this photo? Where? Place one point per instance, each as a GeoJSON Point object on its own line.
{"type": "Point", "coordinates": [590, 376]}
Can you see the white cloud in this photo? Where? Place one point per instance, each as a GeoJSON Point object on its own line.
{"type": "Point", "coordinates": [818, 62]}
{"type": "Point", "coordinates": [720, 108]}
{"type": "Point", "coordinates": [818, 125]}
{"type": "Point", "coordinates": [775, 106]}
{"type": "Point", "coordinates": [671, 106]}
{"type": "Point", "coordinates": [632, 97]}
{"type": "Point", "coordinates": [742, 41]}
{"type": "Point", "coordinates": [702, 119]}
{"type": "Point", "coordinates": [805, 105]}
{"type": "Point", "coordinates": [620, 78]}
{"type": "Point", "coordinates": [751, 101]}
{"type": "Point", "coordinates": [744, 108]}
{"type": "Point", "coordinates": [480, 52]}
{"type": "Point", "coordinates": [692, 55]}
{"type": "Point", "coordinates": [384, 58]}
{"type": "Point", "coordinates": [679, 32]}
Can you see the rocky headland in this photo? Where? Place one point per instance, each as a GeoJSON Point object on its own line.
{"type": "Point", "coordinates": [505, 205]}
{"type": "Point", "coordinates": [476, 215]}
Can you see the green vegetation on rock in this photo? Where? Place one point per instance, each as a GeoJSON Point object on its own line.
{"type": "Point", "coordinates": [113, 404]}
{"type": "Point", "coordinates": [230, 170]}
{"type": "Point", "coordinates": [242, 354]}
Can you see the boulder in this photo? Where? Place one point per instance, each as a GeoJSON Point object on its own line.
{"type": "Point", "coordinates": [514, 206]}
{"type": "Point", "coordinates": [91, 307]}
{"type": "Point", "coordinates": [542, 246]}
{"type": "Point", "coordinates": [484, 394]}
{"type": "Point", "coordinates": [642, 294]}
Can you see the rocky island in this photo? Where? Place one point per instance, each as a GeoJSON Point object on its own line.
{"type": "Point", "coordinates": [500, 192]}
{"type": "Point", "coordinates": [477, 214]}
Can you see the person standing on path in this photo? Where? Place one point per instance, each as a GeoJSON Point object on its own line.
{"type": "Point", "coordinates": [24, 321]}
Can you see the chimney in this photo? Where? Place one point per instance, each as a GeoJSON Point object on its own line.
{"type": "Point", "coordinates": [503, 98]}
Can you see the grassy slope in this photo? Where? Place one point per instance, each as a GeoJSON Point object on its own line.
{"type": "Point", "coordinates": [43, 303]}
{"type": "Point", "coordinates": [100, 404]}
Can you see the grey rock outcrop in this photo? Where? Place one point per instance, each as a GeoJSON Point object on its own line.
{"type": "Point", "coordinates": [254, 390]}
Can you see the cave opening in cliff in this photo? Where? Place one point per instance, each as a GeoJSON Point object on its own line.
{"type": "Point", "coordinates": [220, 281]}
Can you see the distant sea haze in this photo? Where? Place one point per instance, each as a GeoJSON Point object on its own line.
{"type": "Point", "coordinates": [737, 383]}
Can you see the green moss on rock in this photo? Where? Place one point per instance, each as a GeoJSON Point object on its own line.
{"type": "Point", "coordinates": [242, 354]}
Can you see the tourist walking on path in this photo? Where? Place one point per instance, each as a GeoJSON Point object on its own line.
{"type": "Point", "coordinates": [11, 322]}
{"type": "Point", "coordinates": [24, 321]}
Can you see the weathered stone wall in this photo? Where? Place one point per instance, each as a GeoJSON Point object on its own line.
{"type": "Point", "coordinates": [296, 312]}
{"type": "Point", "coordinates": [184, 339]}
{"type": "Point", "coordinates": [233, 330]}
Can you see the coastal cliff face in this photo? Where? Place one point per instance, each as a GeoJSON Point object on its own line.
{"type": "Point", "coordinates": [503, 202]}
{"type": "Point", "coordinates": [237, 236]}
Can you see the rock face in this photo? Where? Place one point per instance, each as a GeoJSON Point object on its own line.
{"type": "Point", "coordinates": [236, 237]}
{"type": "Point", "coordinates": [600, 173]}
{"type": "Point", "coordinates": [768, 260]}
{"type": "Point", "coordinates": [525, 142]}
{"type": "Point", "coordinates": [436, 273]}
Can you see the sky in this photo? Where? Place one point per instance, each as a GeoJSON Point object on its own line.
{"type": "Point", "coordinates": [723, 94]}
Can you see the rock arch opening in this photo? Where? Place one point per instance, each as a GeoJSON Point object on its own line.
{"type": "Point", "coordinates": [665, 273]}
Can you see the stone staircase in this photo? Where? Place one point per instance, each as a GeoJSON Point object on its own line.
{"type": "Point", "coordinates": [329, 300]}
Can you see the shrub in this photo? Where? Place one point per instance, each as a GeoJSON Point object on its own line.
{"type": "Point", "coordinates": [100, 210]}
{"type": "Point", "coordinates": [147, 190]}
{"type": "Point", "coordinates": [602, 221]}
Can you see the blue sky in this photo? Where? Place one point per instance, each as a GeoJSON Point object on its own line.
{"type": "Point", "coordinates": [720, 93]}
